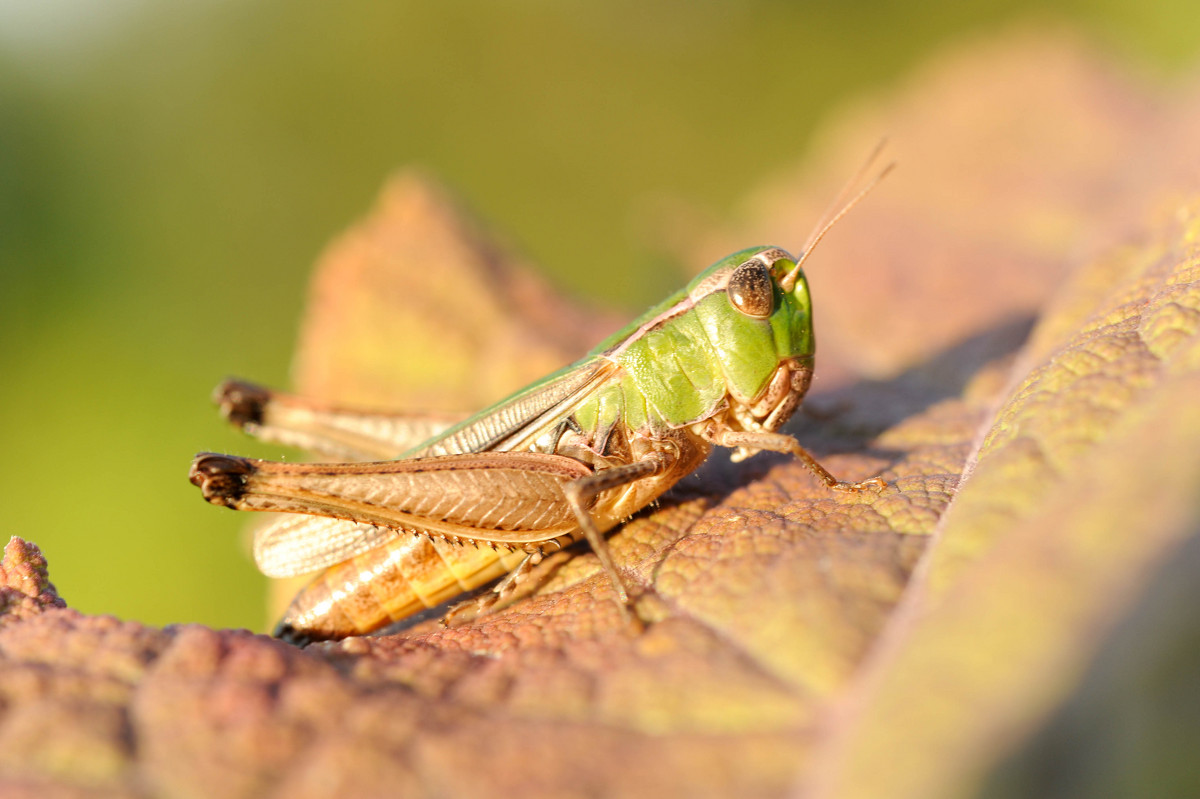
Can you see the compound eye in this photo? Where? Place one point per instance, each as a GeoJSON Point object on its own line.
{"type": "Point", "coordinates": [751, 289]}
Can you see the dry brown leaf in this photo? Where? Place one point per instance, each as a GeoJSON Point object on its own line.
{"type": "Point", "coordinates": [1084, 484]}
{"type": "Point", "coordinates": [415, 308]}
{"type": "Point", "coordinates": [25, 588]}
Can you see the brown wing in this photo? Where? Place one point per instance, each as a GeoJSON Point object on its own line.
{"type": "Point", "coordinates": [291, 544]}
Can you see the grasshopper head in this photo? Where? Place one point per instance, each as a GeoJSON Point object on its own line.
{"type": "Point", "coordinates": [757, 315]}
{"type": "Point", "coordinates": [756, 311]}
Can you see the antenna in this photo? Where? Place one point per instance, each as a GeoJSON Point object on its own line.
{"type": "Point", "coordinates": [839, 208]}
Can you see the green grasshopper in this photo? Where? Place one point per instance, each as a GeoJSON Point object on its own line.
{"type": "Point", "coordinates": [426, 509]}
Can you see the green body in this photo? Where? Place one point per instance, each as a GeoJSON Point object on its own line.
{"type": "Point", "coordinates": [678, 364]}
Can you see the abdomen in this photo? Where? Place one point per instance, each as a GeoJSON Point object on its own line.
{"type": "Point", "coordinates": [392, 582]}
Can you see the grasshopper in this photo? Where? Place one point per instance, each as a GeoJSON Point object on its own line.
{"type": "Point", "coordinates": [422, 509]}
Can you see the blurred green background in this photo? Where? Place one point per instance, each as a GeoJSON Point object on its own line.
{"type": "Point", "coordinates": [170, 172]}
